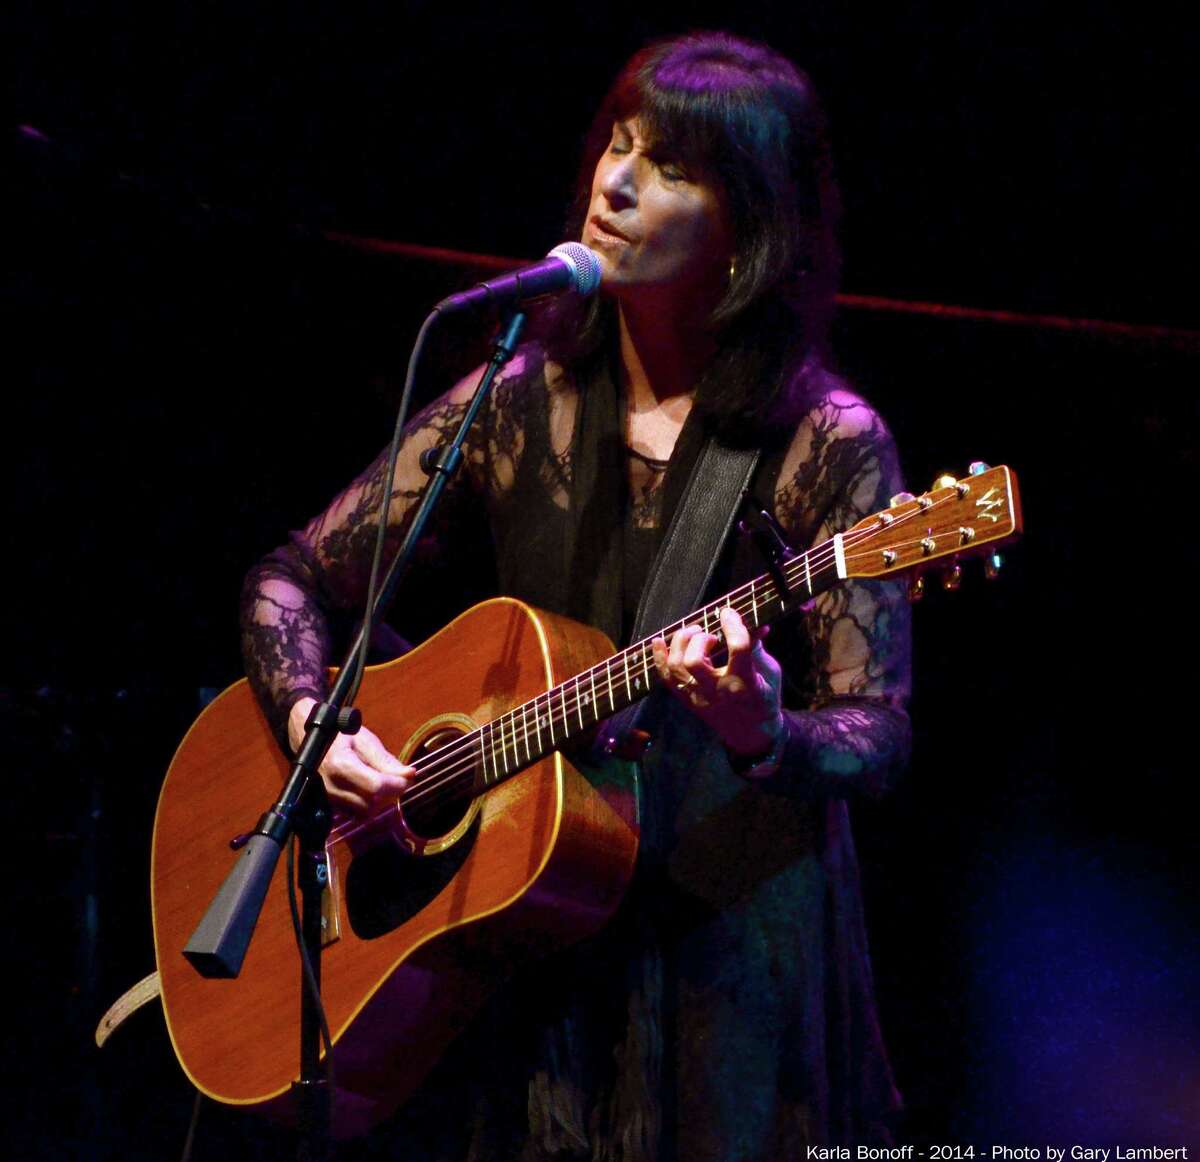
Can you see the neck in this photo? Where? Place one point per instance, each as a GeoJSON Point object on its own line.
{"type": "Point", "coordinates": [661, 360]}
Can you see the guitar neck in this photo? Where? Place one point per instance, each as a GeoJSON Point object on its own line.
{"type": "Point", "coordinates": [511, 742]}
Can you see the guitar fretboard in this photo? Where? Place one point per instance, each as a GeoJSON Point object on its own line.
{"type": "Point", "coordinates": [508, 744]}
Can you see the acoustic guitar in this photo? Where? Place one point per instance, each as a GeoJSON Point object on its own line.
{"type": "Point", "coordinates": [503, 848]}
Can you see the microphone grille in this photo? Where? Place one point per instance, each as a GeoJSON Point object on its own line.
{"type": "Point", "coordinates": [585, 266]}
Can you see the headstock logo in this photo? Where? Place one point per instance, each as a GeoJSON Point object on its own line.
{"type": "Point", "coordinates": [988, 503]}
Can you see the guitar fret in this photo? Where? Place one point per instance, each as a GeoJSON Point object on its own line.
{"type": "Point", "coordinates": [525, 728]}
{"type": "Point", "coordinates": [595, 708]}
{"type": "Point", "coordinates": [608, 670]}
{"type": "Point", "coordinates": [808, 575]}
{"type": "Point", "coordinates": [495, 757]}
{"type": "Point", "coordinates": [625, 661]}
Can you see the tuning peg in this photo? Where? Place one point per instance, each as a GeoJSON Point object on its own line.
{"type": "Point", "coordinates": [945, 480]}
{"type": "Point", "coordinates": [992, 565]}
{"type": "Point", "coordinates": [978, 467]}
{"type": "Point", "coordinates": [901, 498]}
{"type": "Point", "coordinates": [952, 578]}
{"type": "Point", "coordinates": [916, 588]}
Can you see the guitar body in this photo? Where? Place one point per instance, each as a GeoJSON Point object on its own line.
{"type": "Point", "coordinates": [421, 922]}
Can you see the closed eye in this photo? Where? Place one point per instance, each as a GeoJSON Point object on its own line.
{"type": "Point", "coordinates": [670, 169]}
{"type": "Point", "coordinates": [622, 139]}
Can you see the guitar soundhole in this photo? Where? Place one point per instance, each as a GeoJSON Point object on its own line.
{"type": "Point", "coordinates": [439, 803]}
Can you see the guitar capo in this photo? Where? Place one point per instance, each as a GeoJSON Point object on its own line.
{"type": "Point", "coordinates": [767, 534]}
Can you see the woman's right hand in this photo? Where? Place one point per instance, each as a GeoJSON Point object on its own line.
{"type": "Point", "coordinates": [360, 774]}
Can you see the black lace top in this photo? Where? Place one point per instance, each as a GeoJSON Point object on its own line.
{"type": "Point", "coordinates": [740, 1021]}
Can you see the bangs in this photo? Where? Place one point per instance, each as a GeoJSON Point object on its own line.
{"type": "Point", "coordinates": [704, 112]}
{"type": "Point", "coordinates": [690, 124]}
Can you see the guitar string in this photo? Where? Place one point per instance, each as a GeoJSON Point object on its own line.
{"type": "Point", "coordinates": [736, 599]}
{"type": "Point", "coordinates": [439, 781]}
{"type": "Point", "coordinates": [514, 729]}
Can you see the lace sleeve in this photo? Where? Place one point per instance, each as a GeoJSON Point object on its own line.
{"type": "Point", "coordinates": [286, 598]}
{"type": "Point", "coordinates": [850, 732]}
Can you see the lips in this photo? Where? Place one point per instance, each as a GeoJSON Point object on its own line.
{"type": "Point", "coordinates": [604, 230]}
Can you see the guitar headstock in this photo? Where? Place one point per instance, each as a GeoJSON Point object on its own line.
{"type": "Point", "coordinates": [956, 518]}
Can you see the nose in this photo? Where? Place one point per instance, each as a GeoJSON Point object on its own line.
{"type": "Point", "coordinates": [620, 183]}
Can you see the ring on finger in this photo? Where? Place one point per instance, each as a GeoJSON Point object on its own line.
{"type": "Point", "coordinates": [687, 683]}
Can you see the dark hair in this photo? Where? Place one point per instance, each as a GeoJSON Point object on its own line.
{"type": "Point", "coordinates": [740, 111]}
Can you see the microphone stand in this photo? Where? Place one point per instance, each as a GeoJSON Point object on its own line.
{"type": "Point", "coordinates": [218, 946]}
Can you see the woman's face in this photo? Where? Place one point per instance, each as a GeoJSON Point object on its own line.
{"type": "Point", "coordinates": [653, 224]}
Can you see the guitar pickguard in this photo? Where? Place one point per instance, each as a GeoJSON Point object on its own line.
{"type": "Point", "coordinates": [386, 886]}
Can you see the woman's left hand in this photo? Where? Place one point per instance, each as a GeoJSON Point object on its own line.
{"type": "Point", "coordinates": [739, 700]}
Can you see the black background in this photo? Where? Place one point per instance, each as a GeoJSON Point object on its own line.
{"type": "Point", "coordinates": [192, 369]}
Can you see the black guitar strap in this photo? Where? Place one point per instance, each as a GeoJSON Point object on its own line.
{"type": "Point", "coordinates": [690, 549]}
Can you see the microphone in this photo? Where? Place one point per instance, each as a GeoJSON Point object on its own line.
{"type": "Point", "coordinates": [568, 267]}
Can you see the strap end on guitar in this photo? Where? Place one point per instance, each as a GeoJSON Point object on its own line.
{"type": "Point", "coordinates": [767, 536]}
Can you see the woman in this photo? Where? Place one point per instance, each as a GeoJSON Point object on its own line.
{"type": "Point", "coordinates": [727, 1012]}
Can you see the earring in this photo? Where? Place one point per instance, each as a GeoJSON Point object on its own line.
{"type": "Point", "coordinates": [732, 267]}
